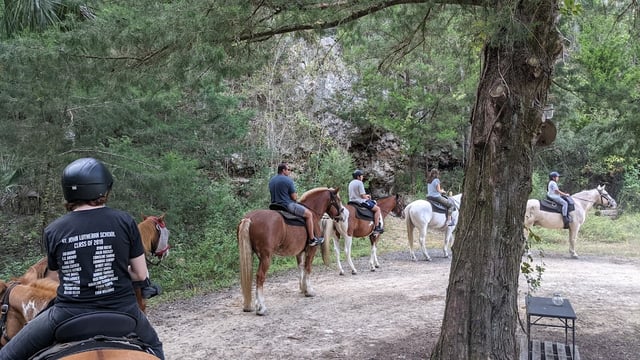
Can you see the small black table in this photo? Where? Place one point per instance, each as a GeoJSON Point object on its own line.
{"type": "Point", "coordinates": [542, 307]}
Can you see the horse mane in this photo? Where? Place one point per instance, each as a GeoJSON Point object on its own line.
{"type": "Point", "coordinates": [44, 289]}
{"type": "Point", "coordinates": [311, 192]}
{"type": "Point", "coordinates": [36, 271]}
{"type": "Point", "coordinates": [147, 230]}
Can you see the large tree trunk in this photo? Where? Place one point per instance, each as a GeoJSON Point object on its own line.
{"type": "Point", "coordinates": [481, 315]}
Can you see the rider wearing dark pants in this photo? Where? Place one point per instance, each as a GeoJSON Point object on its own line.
{"type": "Point", "coordinates": [95, 252]}
{"type": "Point", "coordinates": [434, 192]}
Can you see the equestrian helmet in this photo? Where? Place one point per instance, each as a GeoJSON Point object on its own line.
{"type": "Point", "coordinates": [357, 173]}
{"type": "Point", "coordinates": [553, 174]}
{"type": "Point", "coordinates": [86, 179]}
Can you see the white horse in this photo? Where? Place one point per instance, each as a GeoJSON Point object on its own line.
{"type": "Point", "coordinates": [419, 214]}
{"type": "Point", "coordinates": [584, 201]}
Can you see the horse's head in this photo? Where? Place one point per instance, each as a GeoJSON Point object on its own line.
{"type": "Point", "coordinates": [335, 204]}
{"type": "Point", "coordinates": [156, 242]}
{"type": "Point", "coordinates": [605, 198]}
{"type": "Point", "coordinates": [398, 210]}
{"type": "Point", "coordinates": [323, 200]}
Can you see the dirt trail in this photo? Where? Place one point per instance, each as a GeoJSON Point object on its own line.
{"type": "Point", "coordinates": [392, 313]}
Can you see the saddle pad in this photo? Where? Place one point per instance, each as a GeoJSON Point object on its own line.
{"type": "Point", "coordinates": [552, 206]}
{"type": "Point", "coordinates": [437, 207]}
{"type": "Point", "coordinates": [291, 219]}
{"type": "Point", "coordinates": [361, 211]}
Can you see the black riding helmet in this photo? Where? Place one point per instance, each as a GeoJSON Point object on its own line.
{"type": "Point", "coordinates": [86, 179]}
{"type": "Point", "coordinates": [357, 173]}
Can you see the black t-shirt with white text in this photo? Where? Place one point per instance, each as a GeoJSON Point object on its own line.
{"type": "Point", "coordinates": [91, 249]}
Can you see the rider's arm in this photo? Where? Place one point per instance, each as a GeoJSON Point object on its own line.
{"type": "Point", "coordinates": [294, 196]}
{"type": "Point", "coordinates": [138, 268]}
{"type": "Point", "coordinates": [52, 274]}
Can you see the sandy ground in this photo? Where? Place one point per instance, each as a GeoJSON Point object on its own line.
{"type": "Point", "coordinates": [392, 313]}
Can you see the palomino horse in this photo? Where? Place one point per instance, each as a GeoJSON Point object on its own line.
{"type": "Point", "coordinates": [420, 214]}
{"type": "Point", "coordinates": [349, 226]}
{"type": "Point", "coordinates": [265, 233]}
{"type": "Point", "coordinates": [584, 201]}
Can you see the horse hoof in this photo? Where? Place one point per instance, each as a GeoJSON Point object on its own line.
{"type": "Point", "coordinates": [261, 311]}
{"type": "Point", "coordinates": [427, 259]}
{"type": "Point", "coordinates": [574, 256]}
{"type": "Point", "coordinates": [377, 266]}
{"type": "Point", "coordinates": [354, 273]}
{"type": "Point", "coordinates": [341, 273]}
{"type": "Point", "coordinates": [247, 309]}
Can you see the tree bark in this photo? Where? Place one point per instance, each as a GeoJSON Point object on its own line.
{"type": "Point", "coordinates": [481, 314]}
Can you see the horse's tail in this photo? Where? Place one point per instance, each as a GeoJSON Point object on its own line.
{"type": "Point", "coordinates": [410, 225]}
{"type": "Point", "coordinates": [246, 262]}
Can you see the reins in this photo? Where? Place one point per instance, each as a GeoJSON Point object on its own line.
{"type": "Point", "coordinates": [4, 310]}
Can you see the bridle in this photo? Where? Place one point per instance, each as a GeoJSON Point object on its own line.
{"type": "Point", "coordinates": [4, 310]}
{"type": "Point", "coordinates": [605, 196]}
{"type": "Point", "coordinates": [337, 205]}
{"type": "Point", "coordinates": [163, 240]}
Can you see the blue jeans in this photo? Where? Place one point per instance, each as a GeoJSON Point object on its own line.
{"type": "Point", "coordinates": [38, 333]}
{"type": "Point", "coordinates": [561, 201]}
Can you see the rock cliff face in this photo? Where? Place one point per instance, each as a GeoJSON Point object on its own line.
{"type": "Point", "coordinates": [296, 96]}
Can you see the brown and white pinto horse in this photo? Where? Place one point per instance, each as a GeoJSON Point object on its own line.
{"type": "Point", "coordinates": [21, 302]}
{"type": "Point", "coordinates": [265, 233]}
{"type": "Point", "coordinates": [351, 226]}
{"type": "Point", "coordinates": [583, 200]}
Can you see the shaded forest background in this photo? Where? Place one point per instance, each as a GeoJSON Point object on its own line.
{"type": "Point", "coordinates": [192, 114]}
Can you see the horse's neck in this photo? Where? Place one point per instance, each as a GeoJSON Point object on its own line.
{"type": "Point", "coordinates": [148, 234]}
{"type": "Point", "coordinates": [387, 204]}
{"type": "Point", "coordinates": [29, 300]}
{"type": "Point", "coordinates": [586, 199]}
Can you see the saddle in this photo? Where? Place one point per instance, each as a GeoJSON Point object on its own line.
{"type": "Point", "coordinates": [362, 212]}
{"type": "Point", "coordinates": [289, 218]}
{"type": "Point", "coordinates": [549, 205]}
{"type": "Point", "coordinates": [438, 207]}
{"type": "Point", "coordinates": [78, 334]}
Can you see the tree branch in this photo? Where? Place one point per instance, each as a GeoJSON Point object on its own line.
{"type": "Point", "coordinates": [355, 15]}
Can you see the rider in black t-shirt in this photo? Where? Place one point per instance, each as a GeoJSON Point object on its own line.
{"type": "Point", "coordinates": [97, 255]}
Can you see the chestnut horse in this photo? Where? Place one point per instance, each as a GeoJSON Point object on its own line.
{"type": "Point", "coordinates": [351, 226]}
{"type": "Point", "coordinates": [155, 237]}
{"type": "Point", "coordinates": [21, 302]}
{"type": "Point", "coordinates": [265, 233]}
{"type": "Point", "coordinates": [583, 200]}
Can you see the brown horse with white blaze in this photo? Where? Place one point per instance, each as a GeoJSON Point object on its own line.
{"type": "Point", "coordinates": [265, 233]}
{"type": "Point", "coordinates": [21, 302]}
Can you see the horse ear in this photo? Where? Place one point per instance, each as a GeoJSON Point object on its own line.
{"type": "Point", "coordinates": [161, 217]}
{"type": "Point", "coordinates": [144, 217]}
